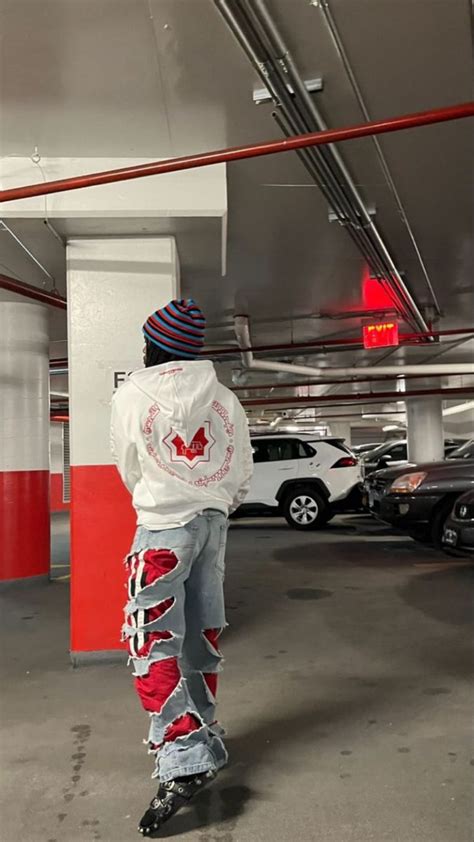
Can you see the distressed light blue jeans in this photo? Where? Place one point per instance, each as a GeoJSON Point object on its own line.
{"type": "Point", "coordinates": [173, 618]}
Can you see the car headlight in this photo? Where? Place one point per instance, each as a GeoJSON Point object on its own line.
{"type": "Point", "coordinates": [407, 483]}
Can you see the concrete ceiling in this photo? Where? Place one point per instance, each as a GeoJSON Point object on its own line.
{"type": "Point", "coordinates": [159, 78]}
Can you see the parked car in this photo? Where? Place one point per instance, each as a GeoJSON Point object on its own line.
{"type": "Point", "coordinates": [306, 479]}
{"type": "Point", "coordinates": [465, 451]}
{"type": "Point", "coordinates": [419, 499]}
{"type": "Point", "coordinates": [362, 449]}
{"type": "Point", "coordinates": [458, 534]}
{"type": "Point", "coordinates": [393, 453]}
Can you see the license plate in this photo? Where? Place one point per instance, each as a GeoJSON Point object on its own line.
{"type": "Point", "coordinates": [450, 537]}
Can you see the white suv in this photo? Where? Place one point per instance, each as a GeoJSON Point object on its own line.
{"type": "Point", "coordinates": [305, 478]}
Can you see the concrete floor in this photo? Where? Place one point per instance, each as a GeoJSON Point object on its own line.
{"type": "Point", "coordinates": [346, 695]}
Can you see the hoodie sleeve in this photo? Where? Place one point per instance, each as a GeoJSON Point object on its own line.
{"type": "Point", "coordinates": [124, 451]}
{"type": "Point", "coordinates": [244, 455]}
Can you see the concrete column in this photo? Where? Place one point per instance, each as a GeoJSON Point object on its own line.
{"type": "Point", "coordinates": [425, 426]}
{"type": "Point", "coordinates": [113, 285]}
{"type": "Point", "coordinates": [341, 429]}
{"type": "Point", "coordinates": [24, 441]}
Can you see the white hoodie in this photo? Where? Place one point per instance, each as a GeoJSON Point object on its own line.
{"type": "Point", "coordinates": [181, 443]}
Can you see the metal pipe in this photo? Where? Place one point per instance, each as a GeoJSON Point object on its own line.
{"type": "Point", "coordinates": [59, 366]}
{"type": "Point", "coordinates": [237, 153]}
{"type": "Point", "coordinates": [341, 51]}
{"type": "Point", "coordinates": [242, 333]}
{"type": "Point", "coordinates": [389, 371]}
{"type": "Point", "coordinates": [263, 21]}
{"type": "Point", "coordinates": [324, 165]}
{"type": "Point", "coordinates": [338, 204]}
{"type": "Point", "coordinates": [258, 387]}
{"type": "Point", "coordinates": [322, 175]}
{"type": "Point", "coordinates": [323, 344]}
{"type": "Point", "coordinates": [30, 291]}
{"type": "Point", "coordinates": [275, 78]}
{"type": "Point", "coordinates": [27, 250]}
{"type": "Point", "coordinates": [358, 397]}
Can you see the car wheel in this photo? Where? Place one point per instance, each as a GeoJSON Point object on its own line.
{"type": "Point", "coordinates": [304, 508]}
{"type": "Point", "coordinates": [438, 520]}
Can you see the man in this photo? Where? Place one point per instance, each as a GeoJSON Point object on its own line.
{"type": "Point", "coordinates": [181, 444]}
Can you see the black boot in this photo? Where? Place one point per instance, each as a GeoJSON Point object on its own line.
{"type": "Point", "coordinates": [171, 796]}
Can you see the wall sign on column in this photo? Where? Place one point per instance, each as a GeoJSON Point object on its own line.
{"type": "Point", "coordinates": [119, 378]}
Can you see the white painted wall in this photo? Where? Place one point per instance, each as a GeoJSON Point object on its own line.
{"type": "Point", "coordinates": [113, 286]}
{"type": "Point", "coordinates": [24, 387]}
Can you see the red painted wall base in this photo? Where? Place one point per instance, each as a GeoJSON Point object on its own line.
{"type": "Point", "coordinates": [24, 524]}
{"type": "Point", "coordinates": [102, 529]}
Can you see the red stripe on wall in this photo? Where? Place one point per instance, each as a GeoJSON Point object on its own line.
{"type": "Point", "coordinates": [102, 528]}
{"type": "Point", "coordinates": [57, 502]}
{"type": "Point", "coordinates": [24, 524]}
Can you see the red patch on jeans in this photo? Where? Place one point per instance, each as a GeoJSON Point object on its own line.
{"type": "Point", "coordinates": [156, 563]}
{"type": "Point", "coordinates": [212, 636]}
{"type": "Point", "coordinates": [156, 687]}
{"type": "Point", "coordinates": [181, 727]}
{"type": "Point", "coordinates": [145, 568]}
{"type": "Point", "coordinates": [140, 645]}
{"type": "Point", "coordinates": [211, 680]}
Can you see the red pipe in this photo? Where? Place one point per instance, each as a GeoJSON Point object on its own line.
{"type": "Point", "coordinates": [257, 387]}
{"type": "Point", "coordinates": [405, 338]}
{"type": "Point", "coordinates": [359, 397]}
{"type": "Point", "coordinates": [59, 418]}
{"type": "Point", "coordinates": [236, 153]}
{"type": "Point", "coordinates": [30, 291]}
{"type": "Point", "coordinates": [314, 343]}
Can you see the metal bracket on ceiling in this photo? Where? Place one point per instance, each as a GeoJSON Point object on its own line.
{"type": "Point", "coordinates": [334, 217]}
{"type": "Point", "coordinates": [262, 95]}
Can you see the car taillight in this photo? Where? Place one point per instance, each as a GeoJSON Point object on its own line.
{"type": "Point", "coordinates": [346, 462]}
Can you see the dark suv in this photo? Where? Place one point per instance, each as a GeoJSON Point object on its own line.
{"type": "Point", "coordinates": [419, 498]}
{"type": "Point", "coordinates": [458, 535]}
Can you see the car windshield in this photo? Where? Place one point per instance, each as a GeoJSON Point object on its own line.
{"type": "Point", "coordinates": [466, 451]}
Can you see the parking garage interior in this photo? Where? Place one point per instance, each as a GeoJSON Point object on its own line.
{"type": "Point", "coordinates": [302, 169]}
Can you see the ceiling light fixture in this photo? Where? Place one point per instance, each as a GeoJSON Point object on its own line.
{"type": "Point", "coordinates": [460, 407]}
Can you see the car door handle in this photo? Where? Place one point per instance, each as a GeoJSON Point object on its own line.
{"type": "Point", "coordinates": [285, 469]}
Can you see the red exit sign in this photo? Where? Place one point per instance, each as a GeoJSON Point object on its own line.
{"type": "Point", "coordinates": [381, 335]}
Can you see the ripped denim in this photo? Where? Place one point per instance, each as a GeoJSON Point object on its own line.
{"type": "Point", "coordinates": [173, 619]}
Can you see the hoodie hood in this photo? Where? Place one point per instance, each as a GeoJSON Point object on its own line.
{"type": "Point", "coordinates": [184, 390]}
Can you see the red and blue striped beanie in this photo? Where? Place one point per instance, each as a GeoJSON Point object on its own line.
{"type": "Point", "coordinates": [177, 328]}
